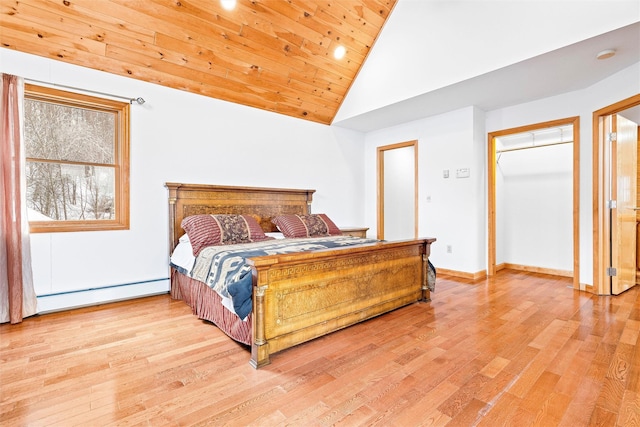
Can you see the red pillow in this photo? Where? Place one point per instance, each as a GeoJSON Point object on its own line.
{"type": "Point", "coordinates": [306, 225]}
{"type": "Point", "coordinates": [210, 230]}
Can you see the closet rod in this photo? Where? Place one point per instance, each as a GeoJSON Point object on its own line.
{"type": "Point", "coordinates": [138, 100]}
{"type": "Point", "coordinates": [506, 150]}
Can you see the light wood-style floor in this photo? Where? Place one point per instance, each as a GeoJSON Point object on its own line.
{"type": "Point", "coordinates": [517, 350]}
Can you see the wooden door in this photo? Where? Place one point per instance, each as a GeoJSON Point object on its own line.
{"type": "Point", "coordinates": [624, 151]}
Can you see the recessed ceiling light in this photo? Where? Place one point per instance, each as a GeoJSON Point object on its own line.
{"type": "Point", "coordinates": [607, 53]}
{"type": "Point", "coordinates": [228, 4]}
{"type": "Point", "coordinates": [339, 52]}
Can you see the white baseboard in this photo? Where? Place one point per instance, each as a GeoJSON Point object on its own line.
{"type": "Point", "coordinates": [87, 297]}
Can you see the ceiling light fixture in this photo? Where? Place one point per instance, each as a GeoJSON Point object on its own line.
{"type": "Point", "coordinates": [339, 52]}
{"type": "Point", "coordinates": [228, 4]}
{"type": "Point", "coordinates": [605, 54]}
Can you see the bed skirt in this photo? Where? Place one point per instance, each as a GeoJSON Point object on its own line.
{"type": "Point", "coordinates": [207, 305]}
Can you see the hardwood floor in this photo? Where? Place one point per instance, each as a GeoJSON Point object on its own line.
{"type": "Point", "coordinates": [519, 349]}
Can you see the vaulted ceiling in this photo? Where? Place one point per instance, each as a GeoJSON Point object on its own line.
{"type": "Point", "coordinates": [276, 55]}
{"type": "Point", "coordinates": [433, 56]}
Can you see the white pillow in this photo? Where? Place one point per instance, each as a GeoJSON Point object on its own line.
{"type": "Point", "coordinates": [275, 235]}
{"type": "Point", "coordinates": [182, 255]}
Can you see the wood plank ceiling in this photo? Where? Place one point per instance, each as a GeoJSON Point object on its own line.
{"type": "Point", "coordinates": [276, 55]}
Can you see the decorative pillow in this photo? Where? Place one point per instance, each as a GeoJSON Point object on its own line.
{"type": "Point", "coordinates": [210, 230]}
{"type": "Point", "coordinates": [306, 225]}
{"type": "Point", "coordinates": [203, 231]}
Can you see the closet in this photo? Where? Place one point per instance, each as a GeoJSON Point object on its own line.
{"type": "Point", "coordinates": [534, 182]}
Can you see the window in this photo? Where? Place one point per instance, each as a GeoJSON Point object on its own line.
{"type": "Point", "coordinates": [77, 161]}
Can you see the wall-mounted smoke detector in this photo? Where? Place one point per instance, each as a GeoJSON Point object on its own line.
{"type": "Point", "coordinates": [605, 54]}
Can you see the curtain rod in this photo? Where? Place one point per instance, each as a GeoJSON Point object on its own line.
{"type": "Point", "coordinates": [506, 150]}
{"type": "Point", "coordinates": [139, 100]}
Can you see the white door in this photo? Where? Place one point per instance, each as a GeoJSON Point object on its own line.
{"type": "Point", "coordinates": [397, 191]}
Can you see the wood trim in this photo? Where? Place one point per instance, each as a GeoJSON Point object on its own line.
{"type": "Point", "coordinates": [576, 204]}
{"type": "Point", "coordinates": [121, 161]}
{"type": "Point", "coordinates": [491, 200]}
{"type": "Point", "coordinates": [541, 270]}
{"type": "Point", "coordinates": [380, 194]}
{"type": "Point", "coordinates": [601, 230]}
{"type": "Point", "coordinates": [638, 183]}
{"type": "Point", "coordinates": [638, 244]}
{"type": "Point", "coordinates": [415, 190]}
{"type": "Point", "coordinates": [380, 182]}
{"type": "Point", "coordinates": [463, 274]}
{"type": "Point", "coordinates": [491, 182]}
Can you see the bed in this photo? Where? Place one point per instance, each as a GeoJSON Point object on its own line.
{"type": "Point", "coordinates": [296, 296]}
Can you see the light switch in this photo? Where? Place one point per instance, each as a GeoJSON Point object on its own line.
{"type": "Point", "coordinates": [445, 173]}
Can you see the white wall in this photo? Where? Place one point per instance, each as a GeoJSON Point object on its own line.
{"type": "Point", "coordinates": [450, 209]}
{"type": "Point", "coordinates": [181, 137]}
{"type": "Point", "coordinates": [456, 213]}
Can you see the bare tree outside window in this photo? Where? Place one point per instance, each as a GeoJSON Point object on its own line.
{"type": "Point", "coordinates": [77, 161]}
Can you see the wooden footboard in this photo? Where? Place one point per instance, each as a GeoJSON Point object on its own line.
{"type": "Point", "coordinates": [298, 297]}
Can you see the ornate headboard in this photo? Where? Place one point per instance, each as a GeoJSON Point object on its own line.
{"type": "Point", "coordinates": [262, 203]}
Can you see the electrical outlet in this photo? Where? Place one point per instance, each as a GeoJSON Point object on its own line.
{"type": "Point", "coordinates": [449, 249]}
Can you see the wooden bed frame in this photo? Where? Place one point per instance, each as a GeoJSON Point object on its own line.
{"type": "Point", "coordinates": [301, 296]}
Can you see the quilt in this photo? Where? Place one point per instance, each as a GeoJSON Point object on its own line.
{"type": "Point", "coordinates": [225, 269]}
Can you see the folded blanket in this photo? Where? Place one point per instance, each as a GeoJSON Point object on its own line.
{"type": "Point", "coordinates": [241, 294]}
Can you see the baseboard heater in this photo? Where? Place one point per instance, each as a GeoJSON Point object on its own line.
{"type": "Point", "coordinates": [66, 300]}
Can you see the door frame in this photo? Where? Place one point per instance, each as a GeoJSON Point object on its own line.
{"type": "Point", "coordinates": [380, 153]}
{"type": "Point", "coordinates": [491, 168]}
{"type": "Point", "coordinates": [601, 228]}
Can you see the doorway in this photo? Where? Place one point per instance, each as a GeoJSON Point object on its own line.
{"type": "Point", "coordinates": [398, 191]}
{"type": "Point", "coordinates": [550, 140]}
{"type": "Point", "coordinates": [614, 239]}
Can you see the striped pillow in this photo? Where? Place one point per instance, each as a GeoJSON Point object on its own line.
{"type": "Point", "coordinates": [306, 225]}
{"type": "Point", "coordinates": [212, 230]}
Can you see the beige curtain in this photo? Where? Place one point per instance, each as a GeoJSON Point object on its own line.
{"type": "Point", "coordinates": [17, 296]}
